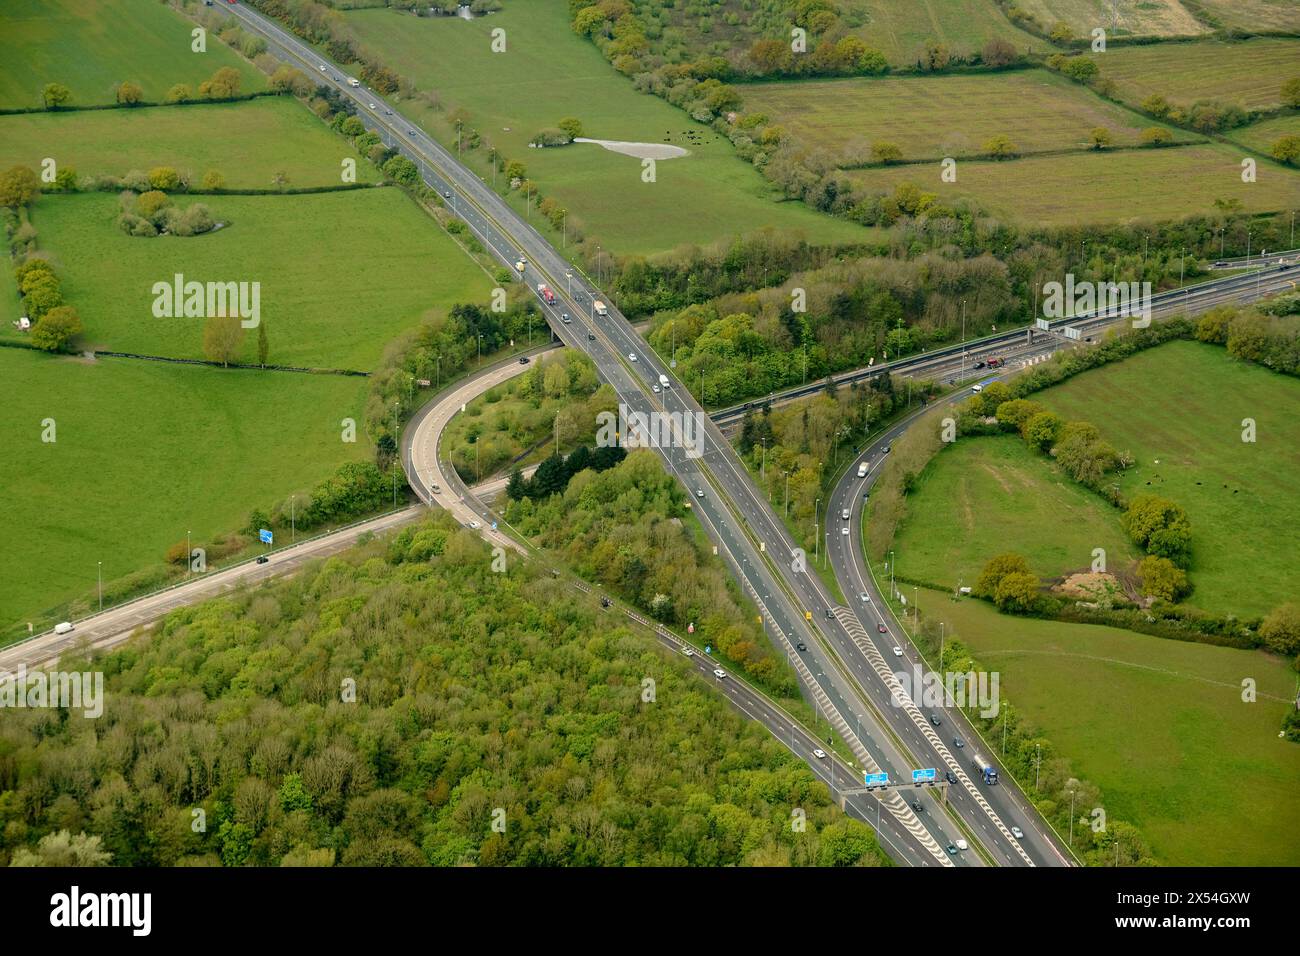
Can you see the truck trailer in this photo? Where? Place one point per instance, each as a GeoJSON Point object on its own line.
{"type": "Point", "coordinates": [985, 769]}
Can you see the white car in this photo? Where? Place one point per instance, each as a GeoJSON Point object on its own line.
{"type": "Point", "coordinates": [475, 525]}
{"type": "Point", "coordinates": [819, 754]}
{"type": "Point", "coordinates": [962, 845]}
{"type": "Point", "coordinates": [699, 492]}
{"type": "Point", "coordinates": [898, 651]}
{"type": "Point", "coordinates": [373, 106]}
{"type": "Point", "coordinates": [631, 356]}
{"type": "Point", "coordinates": [720, 674]}
{"type": "Point", "coordinates": [864, 597]}
{"type": "Point", "coordinates": [1018, 833]}
{"type": "Point", "coordinates": [688, 652]}
{"type": "Point", "coordinates": [844, 531]}
{"type": "Point", "coordinates": [322, 67]}
{"type": "Point", "coordinates": [656, 388]}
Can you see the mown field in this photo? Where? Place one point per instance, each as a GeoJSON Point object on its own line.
{"type": "Point", "coordinates": [549, 73]}
{"type": "Point", "coordinates": [934, 117]}
{"type": "Point", "coordinates": [1095, 187]}
{"type": "Point", "coordinates": [983, 496]}
{"type": "Point", "coordinates": [1248, 72]}
{"type": "Point", "coordinates": [1147, 18]}
{"type": "Point", "coordinates": [1261, 136]}
{"type": "Point", "coordinates": [1159, 725]}
{"type": "Point", "coordinates": [91, 46]}
{"type": "Point", "coordinates": [267, 136]}
{"type": "Point", "coordinates": [146, 451]}
{"type": "Point", "coordinates": [1254, 14]}
{"type": "Point", "coordinates": [1179, 409]}
{"type": "Point", "coordinates": [901, 28]}
{"type": "Point", "coordinates": [341, 274]}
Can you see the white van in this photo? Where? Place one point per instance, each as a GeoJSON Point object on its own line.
{"type": "Point", "coordinates": [663, 380]}
{"type": "Point", "coordinates": [845, 514]}
{"type": "Point", "coordinates": [862, 469]}
{"type": "Point", "coordinates": [353, 81]}
{"type": "Point", "coordinates": [64, 628]}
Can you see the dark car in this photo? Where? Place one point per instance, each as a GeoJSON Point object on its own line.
{"type": "Point", "coordinates": [958, 742]}
{"type": "Point", "coordinates": [916, 805]}
{"type": "Point", "coordinates": [829, 615]}
{"type": "Point", "coordinates": [950, 777]}
{"type": "Point", "coordinates": [523, 360]}
{"type": "Point", "coordinates": [591, 337]}
{"type": "Point", "coordinates": [952, 850]}
{"type": "Point", "coordinates": [802, 646]}
{"type": "Point", "coordinates": [934, 719]}
{"type": "Point", "coordinates": [262, 559]}
{"type": "Point", "coordinates": [882, 629]}
{"type": "Point", "coordinates": [979, 364]}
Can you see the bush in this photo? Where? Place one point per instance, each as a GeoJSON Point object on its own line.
{"type": "Point", "coordinates": [56, 329]}
{"type": "Point", "coordinates": [1280, 630]}
{"type": "Point", "coordinates": [1162, 579]}
{"type": "Point", "coordinates": [1160, 527]}
{"type": "Point", "coordinates": [996, 569]}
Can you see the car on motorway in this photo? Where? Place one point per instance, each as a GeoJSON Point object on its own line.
{"type": "Point", "coordinates": [591, 337]}
{"type": "Point", "coordinates": [844, 514]}
{"type": "Point", "coordinates": [864, 597]}
{"type": "Point", "coordinates": [882, 629]}
{"type": "Point", "coordinates": [958, 743]}
{"type": "Point", "coordinates": [886, 451]}
{"type": "Point", "coordinates": [410, 132]}
{"type": "Point", "coordinates": [523, 360]}
{"type": "Point", "coordinates": [934, 720]}
{"type": "Point", "coordinates": [801, 646]}
{"type": "Point", "coordinates": [962, 845]}
{"type": "Point", "coordinates": [950, 777]}
{"type": "Point", "coordinates": [844, 530]}
{"type": "Point", "coordinates": [1018, 833]}
{"type": "Point", "coordinates": [474, 525]}
{"type": "Point", "coordinates": [952, 850]}
{"type": "Point", "coordinates": [435, 488]}
{"type": "Point", "coordinates": [64, 627]}
{"type": "Point", "coordinates": [979, 364]}
{"type": "Point", "coordinates": [446, 194]}
{"type": "Point", "coordinates": [916, 805]}
{"type": "Point", "coordinates": [819, 753]}
{"type": "Point", "coordinates": [719, 673]}
{"type": "Point", "coordinates": [655, 388]}
{"type": "Point", "coordinates": [262, 559]}
{"type": "Point", "coordinates": [688, 652]}
{"type": "Point", "coordinates": [322, 67]}
{"type": "Point", "coordinates": [373, 106]}
{"type": "Point", "coordinates": [829, 615]}
{"type": "Point", "coordinates": [564, 317]}
{"type": "Point", "coordinates": [699, 492]}
{"type": "Point", "coordinates": [388, 112]}
{"type": "Point", "coordinates": [898, 651]}
{"type": "Point", "coordinates": [1220, 264]}
{"type": "Point", "coordinates": [631, 356]}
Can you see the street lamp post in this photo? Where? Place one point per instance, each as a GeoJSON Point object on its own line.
{"type": "Point", "coordinates": [101, 584]}
{"type": "Point", "coordinates": [188, 554]}
{"type": "Point", "coordinates": [892, 593]}
{"type": "Point", "coordinates": [293, 523]}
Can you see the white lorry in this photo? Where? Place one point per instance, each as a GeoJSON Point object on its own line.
{"type": "Point", "coordinates": [663, 381]}
{"type": "Point", "coordinates": [862, 469]}
{"type": "Point", "coordinates": [353, 82]}
{"type": "Point", "coordinates": [600, 308]}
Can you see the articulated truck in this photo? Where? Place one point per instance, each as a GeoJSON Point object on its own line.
{"type": "Point", "coordinates": [985, 769]}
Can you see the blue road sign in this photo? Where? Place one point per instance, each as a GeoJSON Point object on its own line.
{"type": "Point", "coordinates": [923, 776]}
{"type": "Point", "coordinates": [875, 779]}
{"type": "Point", "coordinates": [265, 535]}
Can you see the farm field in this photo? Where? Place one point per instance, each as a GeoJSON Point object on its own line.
{"type": "Point", "coordinates": [1132, 185]}
{"type": "Point", "coordinates": [1248, 72]}
{"type": "Point", "coordinates": [549, 73]}
{"type": "Point", "coordinates": [146, 451]}
{"type": "Point", "coordinates": [341, 274]}
{"type": "Point", "coordinates": [983, 496]}
{"type": "Point", "coordinates": [1165, 18]}
{"type": "Point", "coordinates": [1261, 136]}
{"type": "Point", "coordinates": [90, 46]}
{"type": "Point", "coordinates": [269, 135]}
{"type": "Point", "coordinates": [901, 28]}
{"type": "Point", "coordinates": [934, 117]}
{"type": "Point", "coordinates": [1146, 719]}
{"type": "Point", "coordinates": [1181, 416]}
{"type": "Point", "coordinates": [1254, 14]}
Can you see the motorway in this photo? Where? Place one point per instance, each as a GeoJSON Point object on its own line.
{"type": "Point", "coordinates": [843, 670]}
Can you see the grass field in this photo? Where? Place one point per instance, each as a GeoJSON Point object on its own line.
{"type": "Point", "coordinates": [1249, 72]}
{"type": "Point", "coordinates": [1149, 720]}
{"type": "Point", "coordinates": [983, 496]}
{"type": "Point", "coordinates": [265, 136]}
{"type": "Point", "coordinates": [146, 451]}
{"type": "Point", "coordinates": [1128, 186]}
{"type": "Point", "coordinates": [549, 73]}
{"type": "Point", "coordinates": [901, 28]}
{"type": "Point", "coordinates": [1255, 14]}
{"type": "Point", "coordinates": [934, 117]}
{"type": "Point", "coordinates": [90, 46]}
{"type": "Point", "coordinates": [1165, 18]}
{"type": "Point", "coordinates": [1261, 136]}
{"type": "Point", "coordinates": [341, 274]}
{"type": "Point", "coordinates": [1182, 406]}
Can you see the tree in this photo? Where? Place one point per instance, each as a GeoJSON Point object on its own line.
{"type": "Point", "coordinates": [516, 488]}
{"type": "Point", "coordinates": [1287, 150]}
{"type": "Point", "coordinates": [1291, 93]}
{"type": "Point", "coordinates": [1080, 68]}
{"type": "Point", "coordinates": [19, 185]}
{"type": "Point", "coordinates": [1101, 137]}
{"type": "Point", "coordinates": [222, 337]}
{"type": "Point", "coordinates": [1041, 430]}
{"type": "Point", "coordinates": [56, 96]}
{"type": "Point", "coordinates": [1160, 527]}
{"type": "Point", "coordinates": [1281, 629]}
{"type": "Point", "coordinates": [996, 569]}
{"type": "Point", "coordinates": [130, 94]}
{"type": "Point", "coordinates": [885, 152]}
{"type": "Point", "coordinates": [1001, 147]}
{"type": "Point", "coordinates": [225, 82]}
{"type": "Point", "coordinates": [56, 328]}
{"type": "Point", "coordinates": [1016, 592]}
{"type": "Point", "coordinates": [1015, 413]}
{"type": "Point", "coordinates": [63, 849]}
{"type": "Point", "coordinates": [180, 93]}
{"type": "Point", "coordinates": [1156, 136]}
{"type": "Point", "coordinates": [263, 347]}
{"type": "Point", "coordinates": [1156, 105]}
{"type": "Point", "coordinates": [1162, 579]}
{"type": "Point", "coordinates": [571, 126]}
{"type": "Point", "coordinates": [214, 180]}
{"type": "Point", "coordinates": [148, 204]}
{"type": "Point", "coordinates": [1061, 32]}
{"type": "Point", "coordinates": [998, 53]}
